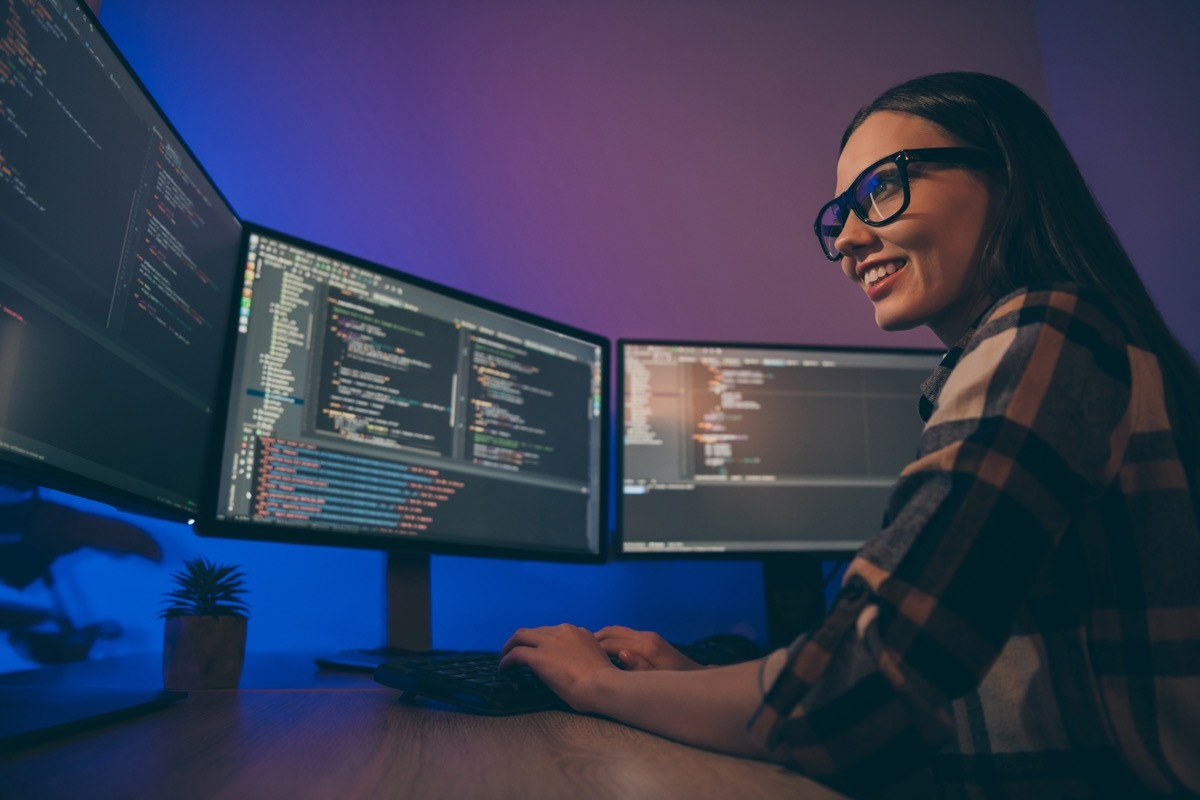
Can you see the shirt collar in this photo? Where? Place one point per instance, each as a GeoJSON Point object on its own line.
{"type": "Point", "coordinates": [932, 387]}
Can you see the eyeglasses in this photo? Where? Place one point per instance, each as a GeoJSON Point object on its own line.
{"type": "Point", "coordinates": [880, 193]}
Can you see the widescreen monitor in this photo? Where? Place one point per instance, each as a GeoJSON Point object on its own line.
{"type": "Point", "coordinates": [743, 449]}
{"type": "Point", "coordinates": [371, 408]}
{"type": "Point", "coordinates": [117, 260]}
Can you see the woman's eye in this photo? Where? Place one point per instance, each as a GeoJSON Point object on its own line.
{"type": "Point", "coordinates": [883, 185]}
{"type": "Point", "coordinates": [881, 194]}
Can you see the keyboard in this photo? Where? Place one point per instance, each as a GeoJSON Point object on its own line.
{"type": "Point", "coordinates": [711, 650]}
{"type": "Point", "coordinates": [473, 681]}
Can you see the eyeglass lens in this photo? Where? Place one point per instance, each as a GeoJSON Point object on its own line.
{"type": "Point", "coordinates": [877, 196]}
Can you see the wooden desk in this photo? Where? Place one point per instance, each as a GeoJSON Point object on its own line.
{"type": "Point", "coordinates": [293, 731]}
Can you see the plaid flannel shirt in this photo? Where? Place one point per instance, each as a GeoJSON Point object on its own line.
{"type": "Point", "coordinates": [1027, 623]}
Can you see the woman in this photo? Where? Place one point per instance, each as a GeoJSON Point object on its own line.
{"type": "Point", "coordinates": [1027, 623]}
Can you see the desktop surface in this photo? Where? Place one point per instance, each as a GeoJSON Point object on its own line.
{"type": "Point", "coordinates": [296, 731]}
{"type": "Point", "coordinates": [30, 714]}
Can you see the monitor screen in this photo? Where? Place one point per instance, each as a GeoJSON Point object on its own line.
{"type": "Point", "coordinates": [758, 449]}
{"type": "Point", "coordinates": [371, 408]}
{"type": "Point", "coordinates": [117, 258]}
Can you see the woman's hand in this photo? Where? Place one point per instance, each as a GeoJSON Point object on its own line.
{"type": "Point", "coordinates": [642, 649]}
{"type": "Point", "coordinates": [706, 707]}
{"type": "Point", "coordinates": [566, 657]}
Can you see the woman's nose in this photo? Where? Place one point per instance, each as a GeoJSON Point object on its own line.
{"type": "Point", "coordinates": [856, 235]}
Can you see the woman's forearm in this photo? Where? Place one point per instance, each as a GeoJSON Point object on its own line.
{"type": "Point", "coordinates": [708, 708]}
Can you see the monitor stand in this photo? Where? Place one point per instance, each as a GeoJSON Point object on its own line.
{"type": "Point", "coordinates": [408, 607]}
{"type": "Point", "coordinates": [407, 613]}
{"type": "Point", "coordinates": [794, 590]}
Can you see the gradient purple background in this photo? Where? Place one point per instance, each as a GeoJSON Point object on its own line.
{"type": "Point", "coordinates": [639, 168]}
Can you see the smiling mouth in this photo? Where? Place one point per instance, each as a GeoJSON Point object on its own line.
{"type": "Point", "coordinates": [875, 274]}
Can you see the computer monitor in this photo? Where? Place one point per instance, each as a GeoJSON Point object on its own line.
{"type": "Point", "coordinates": [758, 449]}
{"type": "Point", "coordinates": [371, 408]}
{"type": "Point", "coordinates": [117, 260]}
{"type": "Point", "coordinates": [771, 451]}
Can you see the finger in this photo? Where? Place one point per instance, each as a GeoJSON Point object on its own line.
{"type": "Point", "coordinates": [611, 631]}
{"type": "Point", "coordinates": [633, 661]}
{"type": "Point", "coordinates": [523, 636]}
{"type": "Point", "coordinates": [612, 647]}
{"type": "Point", "coordinates": [613, 634]}
{"type": "Point", "coordinates": [516, 655]}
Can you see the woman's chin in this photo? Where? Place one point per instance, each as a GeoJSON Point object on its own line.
{"type": "Point", "coordinates": [895, 322]}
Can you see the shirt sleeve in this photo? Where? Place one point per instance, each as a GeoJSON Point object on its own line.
{"type": "Point", "coordinates": [1030, 425]}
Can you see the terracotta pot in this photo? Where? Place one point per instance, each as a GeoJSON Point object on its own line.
{"type": "Point", "coordinates": [203, 652]}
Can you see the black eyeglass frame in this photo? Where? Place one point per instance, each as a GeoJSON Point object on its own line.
{"type": "Point", "coordinates": [966, 156]}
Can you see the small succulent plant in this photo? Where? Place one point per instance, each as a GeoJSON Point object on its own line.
{"type": "Point", "coordinates": [205, 589]}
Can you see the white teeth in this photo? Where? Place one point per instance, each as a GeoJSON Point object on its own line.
{"type": "Point", "coordinates": [875, 274]}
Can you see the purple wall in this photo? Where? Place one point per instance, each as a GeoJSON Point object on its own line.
{"type": "Point", "coordinates": [1124, 89]}
{"type": "Point", "coordinates": [639, 168]}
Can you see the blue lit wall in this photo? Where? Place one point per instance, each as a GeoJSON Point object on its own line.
{"type": "Point", "coordinates": [641, 168]}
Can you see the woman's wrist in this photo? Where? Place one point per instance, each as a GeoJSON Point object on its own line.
{"type": "Point", "coordinates": [597, 693]}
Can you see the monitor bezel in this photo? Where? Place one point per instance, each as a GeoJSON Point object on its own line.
{"type": "Point", "coordinates": [755, 554]}
{"type": "Point", "coordinates": [207, 523]}
{"type": "Point", "coordinates": [22, 472]}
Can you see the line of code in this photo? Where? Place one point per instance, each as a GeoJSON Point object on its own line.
{"type": "Point", "coordinates": [723, 420]}
{"type": "Point", "coordinates": [106, 215]}
{"type": "Point", "coordinates": [387, 375]}
{"type": "Point", "coordinates": [279, 383]}
{"type": "Point", "coordinates": [22, 71]}
{"type": "Point", "coordinates": [165, 267]}
{"type": "Point", "coordinates": [518, 420]}
{"type": "Point", "coordinates": [305, 483]}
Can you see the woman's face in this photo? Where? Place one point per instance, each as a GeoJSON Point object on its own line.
{"type": "Point", "coordinates": [922, 268]}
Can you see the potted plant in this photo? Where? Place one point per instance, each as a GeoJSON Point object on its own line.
{"type": "Point", "coordinates": [204, 640]}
